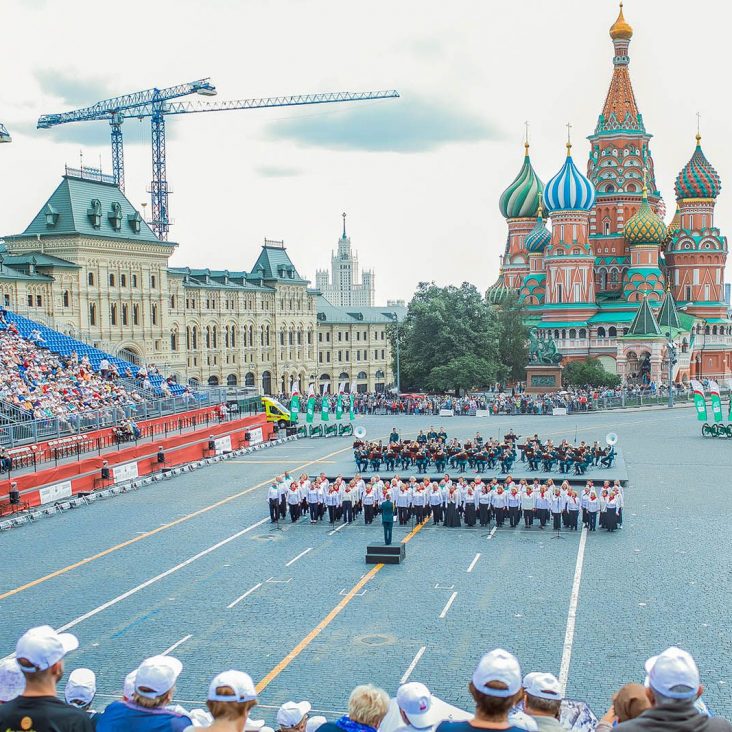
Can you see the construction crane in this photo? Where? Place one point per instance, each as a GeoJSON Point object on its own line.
{"type": "Point", "coordinates": [4, 134]}
{"type": "Point", "coordinates": [156, 104]}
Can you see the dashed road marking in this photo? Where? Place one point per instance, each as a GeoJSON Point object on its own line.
{"type": "Point", "coordinates": [472, 564]}
{"type": "Point", "coordinates": [330, 533]}
{"type": "Point", "coordinates": [448, 604]}
{"type": "Point", "coordinates": [175, 645]}
{"type": "Point", "coordinates": [412, 665]}
{"type": "Point", "coordinates": [300, 555]}
{"type": "Point", "coordinates": [246, 594]}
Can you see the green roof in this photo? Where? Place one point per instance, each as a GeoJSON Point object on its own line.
{"type": "Point", "coordinates": [619, 316]}
{"type": "Point", "coordinates": [328, 313]}
{"type": "Point", "coordinates": [644, 323]}
{"type": "Point", "coordinates": [216, 279]}
{"type": "Point", "coordinates": [573, 324]}
{"type": "Point", "coordinates": [668, 317]}
{"type": "Point", "coordinates": [90, 208]}
{"type": "Point", "coordinates": [9, 273]}
{"type": "Point", "coordinates": [274, 263]}
{"type": "Point", "coordinates": [38, 259]}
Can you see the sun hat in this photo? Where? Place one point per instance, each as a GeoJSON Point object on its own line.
{"type": "Point", "coordinates": [501, 666]}
{"type": "Point", "coordinates": [157, 675]}
{"type": "Point", "coordinates": [39, 648]}
{"type": "Point", "coordinates": [241, 684]}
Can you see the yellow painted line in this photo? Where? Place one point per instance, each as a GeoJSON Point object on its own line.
{"type": "Point", "coordinates": [326, 621]}
{"type": "Point", "coordinates": [153, 532]}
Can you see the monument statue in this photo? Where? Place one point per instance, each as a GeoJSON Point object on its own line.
{"type": "Point", "coordinates": [543, 351]}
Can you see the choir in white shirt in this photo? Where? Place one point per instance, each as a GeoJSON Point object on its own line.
{"type": "Point", "coordinates": [449, 502]}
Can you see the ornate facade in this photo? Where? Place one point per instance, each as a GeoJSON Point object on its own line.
{"type": "Point", "coordinates": [610, 258]}
{"type": "Point", "coordinates": [89, 266]}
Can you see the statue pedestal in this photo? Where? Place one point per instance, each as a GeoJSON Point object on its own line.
{"type": "Point", "coordinates": [543, 378]}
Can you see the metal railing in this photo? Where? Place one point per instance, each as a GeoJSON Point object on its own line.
{"type": "Point", "coordinates": [39, 430]}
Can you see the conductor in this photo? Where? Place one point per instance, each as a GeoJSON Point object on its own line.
{"type": "Point", "coordinates": [387, 518]}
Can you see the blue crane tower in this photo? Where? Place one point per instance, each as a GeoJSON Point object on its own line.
{"type": "Point", "coordinates": [156, 104]}
{"type": "Point", "coordinates": [4, 134]}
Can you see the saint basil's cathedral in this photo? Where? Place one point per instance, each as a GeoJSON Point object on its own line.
{"type": "Point", "coordinates": [610, 279]}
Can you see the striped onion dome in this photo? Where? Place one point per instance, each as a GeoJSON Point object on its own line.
{"type": "Point", "coordinates": [521, 198]}
{"type": "Point", "coordinates": [645, 227]}
{"type": "Point", "coordinates": [497, 292]}
{"type": "Point", "coordinates": [569, 190]}
{"type": "Point", "coordinates": [537, 239]}
{"type": "Point", "coordinates": [698, 179]}
{"type": "Point", "coordinates": [673, 227]}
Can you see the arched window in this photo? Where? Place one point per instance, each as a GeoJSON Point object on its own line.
{"type": "Point", "coordinates": [249, 379]}
{"type": "Point", "coordinates": [251, 335]}
{"type": "Point", "coordinates": [66, 298]}
{"type": "Point", "coordinates": [213, 380]}
{"type": "Point", "coordinates": [90, 279]}
{"type": "Point", "coordinates": [572, 333]}
{"type": "Point", "coordinates": [92, 313]}
{"type": "Point", "coordinates": [113, 314]}
{"type": "Point", "coordinates": [233, 336]}
{"type": "Point", "coordinates": [362, 376]}
{"type": "Point", "coordinates": [173, 340]}
{"type": "Point", "coordinates": [380, 374]}
{"type": "Point", "coordinates": [214, 337]}
{"type": "Point", "coordinates": [612, 331]}
{"type": "Point", "coordinates": [600, 332]}
{"type": "Point", "coordinates": [261, 335]}
{"type": "Point", "coordinates": [267, 382]}
{"type": "Point", "coordinates": [188, 337]}
{"type": "Point", "coordinates": [267, 336]}
{"type": "Point", "coordinates": [154, 314]}
{"type": "Point", "coordinates": [172, 302]}
{"type": "Point", "coordinates": [111, 280]}
{"type": "Point", "coordinates": [195, 337]}
{"type": "Point", "coordinates": [125, 314]}
{"type": "Point", "coordinates": [582, 333]}
{"type": "Point", "coordinates": [135, 315]}
{"type": "Point", "coordinates": [231, 380]}
{"type": "Point", "coordinates": [208, 336]}
{"type": "Point", "coordinates": [123, 280]}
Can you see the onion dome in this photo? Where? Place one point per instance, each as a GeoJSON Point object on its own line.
{"type": "Point", "coordinates": [621, 29]}
{"type": "Point", "coordinates": [698, 179]}
{"type": "Point", "coordinates": [646, 226]}
{"type": "Point", "coordinates": [537, 239]}
{"type": "Point", "coordinates": [569, 190]}
{"type": "Point", "coordinates": [497, 292]}
{"type": "Point", "coordinates": [520, 199]}
{"type": "Point", "coordinates": [673, 227]}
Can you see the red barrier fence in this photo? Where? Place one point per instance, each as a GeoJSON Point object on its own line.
{"type": "Point", "coordinates": [62, 481]}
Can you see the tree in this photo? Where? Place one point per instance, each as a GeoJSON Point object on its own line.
{"type": "Point", "coordinates": [452, 332]}
{"type": "Point", "coordinates": [589, 372]}
{"type": "Point", "coordinates": [513, 342]}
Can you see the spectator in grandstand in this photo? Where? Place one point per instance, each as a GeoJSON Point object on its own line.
{"type": "Point", "coordinates": [315, 723]}
{"type": "Point", "coordinates": [231, 696]}
{"type": "Point", "coordinates": [5, 461]}
{"type": "Point", "coordinates": [629, 702]}
{"type": "Point", "coordinates": [673, 688]}
{"type": "Point", "coordinates": [40, 655]}
{"type": "Point", "coordinates": [293, 716]}
{"type": "Point", "coordinates": [80, 690]}
{"type": "Point", "coordinates": [496, 688]}
{"type": "Point", "coordinates": [367, 707]}
{"type": "Point", "coordinates": [154, 687]}
{"type": "Point", "coordinates": [543, 700]}
{"type": "Point", "coordinates": [12, 682]}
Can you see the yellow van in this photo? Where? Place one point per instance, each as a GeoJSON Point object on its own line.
{"type": "Point", "coordinates": [276, 411]}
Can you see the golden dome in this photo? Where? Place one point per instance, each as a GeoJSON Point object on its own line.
{"type": "Point", "coordinates": [621, 28]}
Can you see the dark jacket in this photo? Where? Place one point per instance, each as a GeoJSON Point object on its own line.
{"type": "Point", "coordinates": [677, 717]}
{"type": "Point", "coordinates": [387, 512]}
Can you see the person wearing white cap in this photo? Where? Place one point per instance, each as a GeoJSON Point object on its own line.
{"type": "Point", "coordinates": [543, 700]}
{"type": "Point", "coordinates": [417, 707]}
{"type": "Point", "coordinates": [496, 688]}
{"type": "Point", "coordinates": [146, 711]}
{"type": "Point", "coordinates": [315, 723]}
{"type": "Point", "coordinates": [673, 688]}
{"type": "Point", "coordinates": [80, 690]}
{"type": "Point", "coordinates": [12, 682]}
{"type": "Point", "coordinates": [231, 696]}
{"type": "Point", "coordinates": [293, 716]}
{"type": "Point", "coordinates": [39, 654]}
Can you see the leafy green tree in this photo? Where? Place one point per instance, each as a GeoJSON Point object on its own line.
{"type": "Point", "coordinates": [589, 372]}
{"type": "Point", "coordinates": [513, 342]}
{"type": "Point", "coordinates": [449, 340]}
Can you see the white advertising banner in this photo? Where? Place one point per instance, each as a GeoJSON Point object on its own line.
{"type": "Point", "coordinates": [559, 411]}
{"type": "Point", "coordinates": [447, 413]}
{"type": "Point", "coordinates": [128, 471]}
{"type": "Point", "coordinates": [55, 492]}
{"type": "Point", "coordinates": [222, 445]}
{"type": "Point", "coordinates": [255, 436]}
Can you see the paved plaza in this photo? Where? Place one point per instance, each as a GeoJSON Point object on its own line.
{"type": "Point", "coordinates": [192, 564]}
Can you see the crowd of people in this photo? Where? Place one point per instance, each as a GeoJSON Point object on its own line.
{"type": "Point", "coordinates": [447, 502]}
{"type": "Point", "coordinates": [433, 450]}
{"type": "Point", "coordinates": [504, 699]}
{"type": "Point", "coordinates": [45, 385]}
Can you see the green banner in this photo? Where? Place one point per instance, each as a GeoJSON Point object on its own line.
{"type": "Point", "coordinates": [699, 401]}
{"type": "Point", "coordinates": [716, 401]}
{"type": "Point", "coordinates": [324, 408]}
{"type": "Point", "coordinates": [310, 414]}
{"type": "Point", "coordinates": [294, 408]}
{"type": "Point", "coordinates": [351, 406]}
{"type": "Point", "coordinates": [339, 406]}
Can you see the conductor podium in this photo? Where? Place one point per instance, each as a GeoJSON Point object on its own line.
{"type": "Point", "coordinates": [382, 554]}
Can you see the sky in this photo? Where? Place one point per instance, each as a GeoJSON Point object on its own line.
{"type": "Point", "coordinates": [419, 176]}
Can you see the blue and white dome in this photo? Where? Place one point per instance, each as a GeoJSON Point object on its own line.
{"type": "Point", "coordinates": [569, 190]}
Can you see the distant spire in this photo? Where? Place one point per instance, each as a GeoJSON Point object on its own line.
{"type": "Point", "coordinates": [698, 128]}
{"type": "Point", "coordinates": [569, 139]}
{"type": "Point", "coordinates": [526, 137]}
{"type": "Point", "coordinates": [344, 224]}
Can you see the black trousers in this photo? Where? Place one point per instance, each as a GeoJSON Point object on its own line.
{"type": "Point", "coordinates": [500, 514]}
{"type": "Point", "coordinates": [274, 509]}
{"type": "Point", "coordinates": [368, 513]}
{"type": "Point", "coordinates": [573, 517]}
{"type": "Point", "coordinates": [592, 520]}
{"type": "Point", "coordinates": [514, 515]}
{"type": "Point", "coordinates": [437, 513]}
{"type": "Point", "coordinates": [332, 514]}
{"type": "Point", "coordinates": [543, 516]}
{"type": "Point", "coordinates": [528, 518]}
{"type": "Point", "coordinates": [418, 513]}
{"type": "Point", "coordinates": [557, 521]}
{"type": "Point", "coordinates": [347, 511]}
{"type": "Point", "coordinates": [484, 514]}
{"type": "Point", "coordinates": [313, 512]}
{"type": "Point", "coordinates": [294, 512]}
{"type": "Point", "coordinates": [403, 515]}
{"type": "Point", "coordinates": [283, 507]}
{"type": "Point", "coordinates": [387, 532]}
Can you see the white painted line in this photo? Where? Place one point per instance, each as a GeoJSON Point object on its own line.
{"type": "Point", "coordinates": [175, 645]}
{"type": "Point", "coordinates": [301, 554]}
{"type": "Point", "coordinates": [472, 564]}
{"type": "Point", "coordinates": [412, 665]}
{"type": "Point", "coordinates": [330, 533]}
{"type": "Point", "coordinates": [493, 531]}
{"type": "Point", "coordinates": [449, 602]}
{"type": "Point", "coordinates": [572, 614]}
{"type": "Point", "coordinates": [158, 577]}
{"type": "Point", "coordinates": [246, 594]}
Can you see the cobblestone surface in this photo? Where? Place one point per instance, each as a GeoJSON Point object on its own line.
{"type": "Point", "coordinates": [663, 579]}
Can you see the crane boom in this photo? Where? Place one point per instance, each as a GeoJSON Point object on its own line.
{"type": "Point", "coordinates": [157, 103]}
